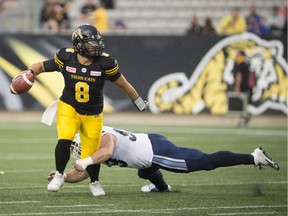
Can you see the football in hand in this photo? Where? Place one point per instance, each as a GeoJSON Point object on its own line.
{"type": "Point", "coordinates": [22, 83]}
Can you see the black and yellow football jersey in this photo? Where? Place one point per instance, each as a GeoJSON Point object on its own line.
{"type": "Point", "coordinates": [84, 85]}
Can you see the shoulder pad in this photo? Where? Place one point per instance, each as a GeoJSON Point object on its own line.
{"type": "Point", "coordinates": [64, 54]}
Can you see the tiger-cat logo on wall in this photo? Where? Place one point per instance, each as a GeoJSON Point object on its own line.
{"type": "Point", "coordinates": [208, 85]}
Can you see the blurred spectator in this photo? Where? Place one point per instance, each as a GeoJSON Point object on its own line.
{"type": "Point", "coordinates": [120, 24]}
{"type": "Point", "coordinates": [46, 11]}
{"type": "Point", "coordinates": [7, 4]}
{"type": "Point", "coordinates": [232, 24]}
{"type": "Point", "coordinates": [255, 22]}
{"type": "Point", "coordinates": [54, 17]}
{"type": "Point", "coordinates": [195, 28]}
{"type": "Point", "coordinates": [208, 28]}
{"type": "Point", "coordinates": [108, 4]}
{"type": "Point", "coordinates": [275, 22]}
{"type": "Point", "coordinates": [86, 9]}
{"type": "Point", "coordinates": [100, 18]}
{"type": "Point", "coordinates": [283, 12]}
{"type": "Point", "coordinates": [1, 5]}
{"type": "Point", "coordinates": [242, 74]}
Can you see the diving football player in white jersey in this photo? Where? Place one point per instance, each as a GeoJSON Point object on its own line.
{"type": "Point", "coordinates": [150, 152]}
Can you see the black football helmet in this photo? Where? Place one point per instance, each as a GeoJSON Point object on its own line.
{"type": "Point", "coordinates": [87, 41]}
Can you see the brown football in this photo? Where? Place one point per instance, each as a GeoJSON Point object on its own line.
{"type": "Point", "coordinates": [22, 83]}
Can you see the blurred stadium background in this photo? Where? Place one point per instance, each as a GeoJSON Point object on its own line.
{"type": "Point", "coordinates": [151, 42]}
{"type": "Point", "coordinates": [164, 17]}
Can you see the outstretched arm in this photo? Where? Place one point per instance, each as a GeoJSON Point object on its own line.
{"type": "Point", "coordinates": [105, 151]}
{"type": "Point", "coordinates": [37, 68]}
{"type": "Point", "coordinates": [130, 91]}
{"type": "Point", "coordinates": [71, 177]}
{"type": "Point", "coordinates": [74, 176]}
{"type": "Point", "coordinates": [46, 66]}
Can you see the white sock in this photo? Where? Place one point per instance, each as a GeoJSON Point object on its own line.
{"type": "Point", "coordinates": [84, 162]}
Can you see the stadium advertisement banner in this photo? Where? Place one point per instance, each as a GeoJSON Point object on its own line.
{"type": "Point", "coordinates": [182, 75]}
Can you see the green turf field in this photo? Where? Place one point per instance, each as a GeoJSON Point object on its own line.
{"type": "Point", "coordinates": [27, 156]}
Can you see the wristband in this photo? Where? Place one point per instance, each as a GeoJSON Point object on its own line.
{"type": "Point", "coordinates": [31, 71]}
{"type": "Point", "coordinates": [140, 104]}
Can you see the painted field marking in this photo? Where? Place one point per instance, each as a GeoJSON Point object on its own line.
{"type": "Point", "coordinates": [21, 157]}
{"type": "Point", "coordinates": [79, 206]}
{"type": "Point", "coordinates": [19, 202]}
{"type": "Point", "coordinates": [98, 211]}
{"type": "Point", "coordinates": [149, 211]}
{"type": "Point", "coordinates": [137, 185]}
{"type": "Point", "coordinates": [181, 130]}
{"type": "Point", "coordinates": [243, 207]}
{"type": "Point", "coordinates": [246, 213]}
{"type": "Point", "coordinates": [26, 140]}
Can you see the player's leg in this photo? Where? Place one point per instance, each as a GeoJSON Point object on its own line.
{"type": "Point", "coordinates": [154, 175]}
{"type": "Point", "coordinates": [177, 159]}
{"type": "Point", "coordinates": [224, 159]}
{"type": "Point", "coordinates": [67, 125]}
{"type": "Point", "coordinates": [90, 135]}
{"type": "Point", "coordinates": [87, 146]}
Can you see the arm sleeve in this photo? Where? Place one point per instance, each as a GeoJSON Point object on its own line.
{"type": "Point", "coordinates": [50, 65]}
{"type": "Point", "coordinates": [57, 63]}
{"type": "Point", "coordinates": [111, 68]}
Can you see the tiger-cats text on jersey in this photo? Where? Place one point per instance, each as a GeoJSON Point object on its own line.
{"type": "Point", "coordinates": [84, 84]}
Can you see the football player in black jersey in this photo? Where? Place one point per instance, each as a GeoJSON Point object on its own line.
{"type": "Point", "coordinates": [85, 68]}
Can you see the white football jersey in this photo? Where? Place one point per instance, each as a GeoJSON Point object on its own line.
{"type": "Point", "coordinates": [131, 149]}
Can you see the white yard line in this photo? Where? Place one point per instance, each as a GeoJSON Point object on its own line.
{"type": "Point", "coordinates": [67, 185]}
{"type": "Point", "coordinates": [97, 211]}
{"type": "Point", "coordinates": [19, 202]}
{"type": "Point", "coordinates": [27, 140]}
{"type": "Point", "coordinates": [21, 157]}
{"type": "Point", "coordinates": [234, 183]}
{"type": "Point", "coordinates": [79, 206]}
{"type": "Point", "coordinates": [246, 213]}
{"type": "Point", "coordinates": [244, 207]}
{"type": "Point", "coordinates": [150, 211]}
{"type": "Point", "coordinates": [188, 130]}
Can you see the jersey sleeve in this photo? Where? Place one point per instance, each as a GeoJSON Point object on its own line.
{"type": "Point", "coordinates": [50, 66]}
{"type": "Point", "coordinates": [111, 69]}
{"type": "Point", "coordinates": [57, 63]}
{"type": "Point", "coordinates": [61, 56]}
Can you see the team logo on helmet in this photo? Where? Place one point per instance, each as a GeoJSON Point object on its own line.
{"type": "Point", "coordinates": [77, 33]}
{"type": "Point", "coordinates": [208, 85]}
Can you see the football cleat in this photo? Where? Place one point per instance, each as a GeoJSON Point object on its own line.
{"type": "Point", "coordinates": [151, 188]}
{"type": "Point", "coordinates": [56, 183]}
{"type": "Point", "coordinates": [260, 158]}
{"type": "Point", "coordinates": [96, 189]}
